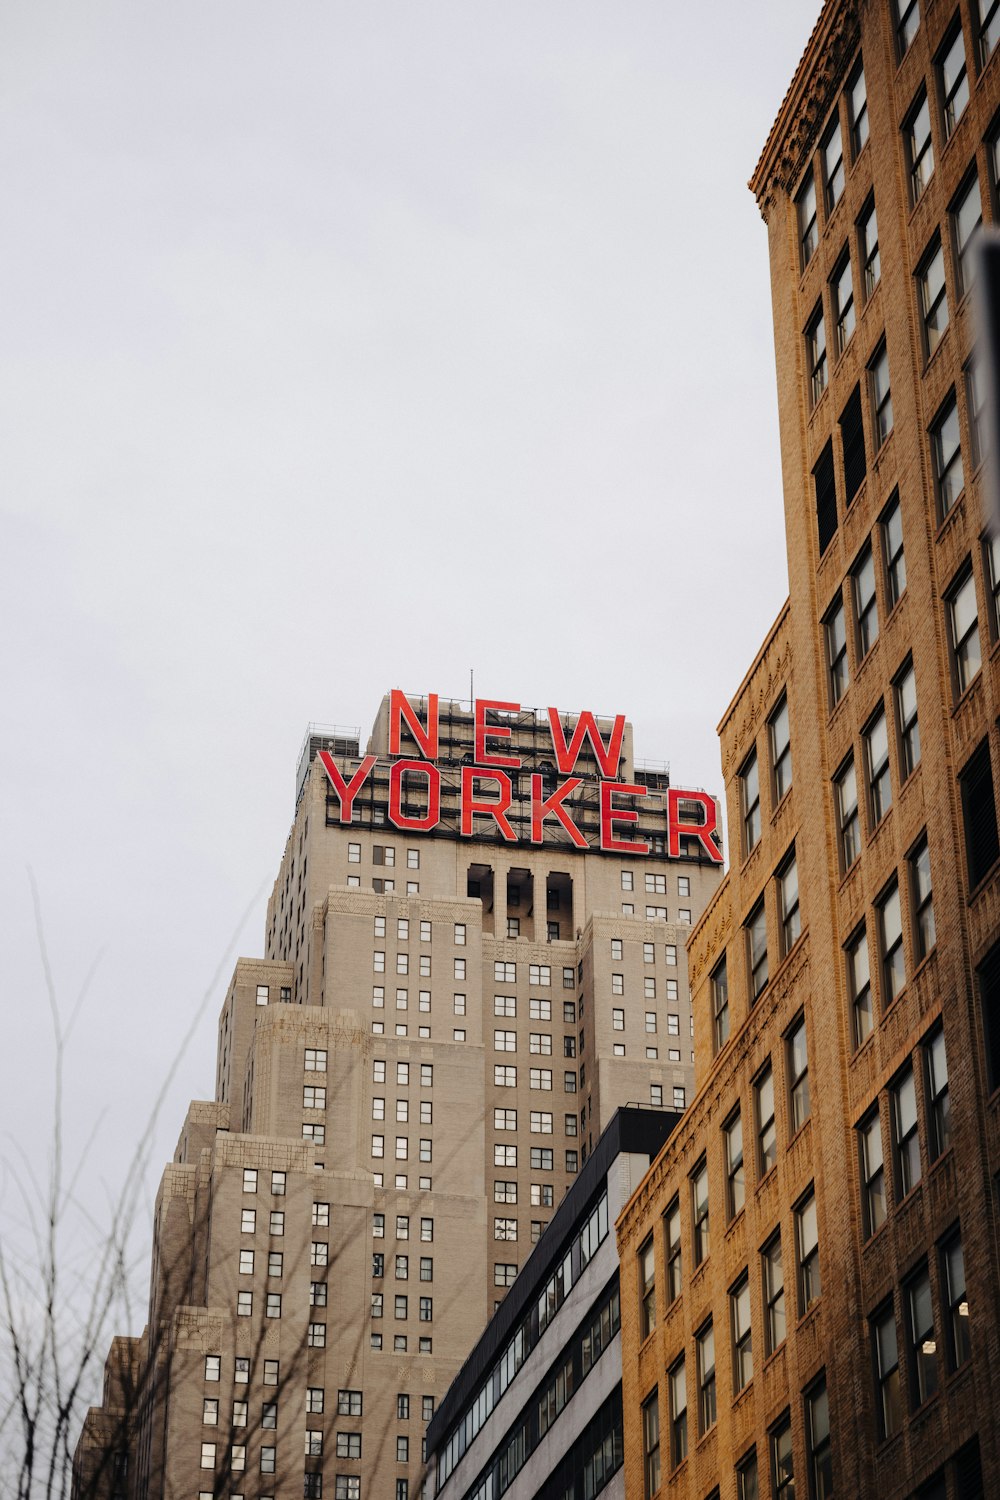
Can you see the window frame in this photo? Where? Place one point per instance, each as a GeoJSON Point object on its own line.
{"type": "Point", "coordinates": [797, 1074]}
{"type": "Point", "coordinates": [919, 152]}
{"type": "Point", "coordinates": [891, 944]}
{"type": "Point", "coordinates": [750, 805]}
{"type": "Point", "coordinates": [955, 1299]}
{"type": "Point", "coordinates": [806, 215]}
{"type": "Point", "coordinates": [789, 910]}
{"type": "Point", "coordinates": [886, 1370]}
{"type": "Point", "coordinates": [781, 749]}
{"type": "Point", "coordinates": [904, 695]}
{"type": "Point", "coordinates": [677, 1385]}
{"type": "Point", "coordinates": [932, 295]}
{"type": "Point", "coordinates": [966, 665]}
{"type": "Point", "coordinates": [918, 1321]}
{"type": "Point", "coordinates": [705, 1366]}
{"type": "Point", "coordinates": [878, 770]}
{"type": "Point", "coordinates": [869, 254]}
{"type": "Point", "coordinates": [732, 1132]}
{"type": "Point", "coordinates": [765, 1121]}
{"type": "Point", "coordinates": [809, 1282]}
{"type": "Point", "coordinates": [962, 243]}
{"type": "Point", "coordinates": [835, 175]}
{"type": "Point", "coordinates": [741, 1332]}
{"type": "Point", "coordinates": [755, 927]}
{"type": "Point", "coordinates": [673, 1280]}
{"type": "Point", "coordinates": [904, 1116]}
{"type": "Point", "coordinates": [871, 1172]}
{"type": "Point", "coordinates": [857, 117]}
{"type": "Point", "coordinates": [921, 899]}
{"type": "Point", "coordinates": [719, 981]}
{"type": "Point", "coordinates": [701, 1242]}
{"type": "Point", "coordinates": [816, 355]}
{"type": "Point", "coordinates": [947, 462]}
{"type": "Point", "coordinates": [881, 398]}
{"type": "Point", "coordinates": [862, 1002]}
{"type": "Point", "coordinates": [838, 666]}
{"type": "Point", "coordinates": [651, 1443]}
{"type": "Point", "coordinates": [773, 1293]}
{"type": "Point", "coordinates": [842, 303]}
{"type": "Point", "coordinates": [845, 787]}
{"type": "Point", "coordinates": [893, 553]}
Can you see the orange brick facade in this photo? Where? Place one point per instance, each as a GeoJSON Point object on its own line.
{"type": "Point", "coordinates": [861, 1362]}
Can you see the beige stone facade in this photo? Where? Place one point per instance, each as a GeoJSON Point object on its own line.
{"type": "Point", "coordinates": [406, 1086]}
{"type": "Point", "coordinates": [819, 1311]}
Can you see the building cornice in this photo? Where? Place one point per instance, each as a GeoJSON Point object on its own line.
{"type": "Point", "coordinates": [806, 103]}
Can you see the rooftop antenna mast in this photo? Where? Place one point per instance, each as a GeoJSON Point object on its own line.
{"type": "Point", "coordinates": [472, 689]}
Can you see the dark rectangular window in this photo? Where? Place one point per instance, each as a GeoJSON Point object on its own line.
{"type": "Point", "coordinates": [988, 983]}
{"type": "Point", "coordinates": [979, 813]}
{"type": "Point", "coordinates": [921, 1339]}
{"type": "Point", "coordinates": [852, 438]}
{"type": "Point", "coordinates": [826, 498]}
{"type": "Point", "coordinates": [886, 1359]}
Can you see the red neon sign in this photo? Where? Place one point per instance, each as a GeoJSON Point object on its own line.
{"type": "Point", "coordinates": [487, 790]}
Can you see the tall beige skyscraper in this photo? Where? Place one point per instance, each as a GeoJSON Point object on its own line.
{"type": "Point", "coordinates": [475, 953]}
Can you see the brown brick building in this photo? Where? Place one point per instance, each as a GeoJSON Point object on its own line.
{"type": "Point", "coordinates": [465, 977]}
{"type": "Point", "coordinates": [810, 1269]}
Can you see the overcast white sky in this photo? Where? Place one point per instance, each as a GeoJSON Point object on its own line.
{"type": "Point", "coordinates": [348, 346]}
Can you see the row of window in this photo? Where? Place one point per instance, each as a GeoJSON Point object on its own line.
{"type": "Point", "coordinates": [679, 1097]}
{"type": "Point", "coordinates": [403, 1110]}
{"type": "Point", "coordinates": [781, 775]}
{"type": "Point", "coordinates": [540, 1121]}
{"type": "Point", "coordinates": [403, 964]}
{"type": "Point", "coordinates": [541, 1157]}
{"type": "Point", "coordinates": [505, 1075]}
{"type": "Point", "coordinates": [817, 1429]}
{"type": "Point", "coordinates": [264, 994]}
{"type": "Point", "coordinates": [346, 1486]}
{"type": "Point", "coordinates": [402, 1267]}
{"type": "Point", "coordinates": [659, 914]}
{"type": "Point", "coordinates": [648, 987]}
{"type": "Point", "coordinates": [402, 1150]}
{"type": "Point", "coordinates": [888, 910]}
{"type": "Point", "coordinates": [539, 1042]}
{"type": "Point", "coordinates": [648, 952]}
{"type": "Point", "coordinates": [772, 1277]}
{"type": "Point", "coordinates": [876, 738]}
{"type": "Point", "coordinates": [786, 880]}
{"type": "Point", "coordinates": [383, 854]}
{"type": "Point", "coordinates": [922, 1342]}
{"type": "Point", "coordinates": [965, 217]}
{"type": "Point", "coordinates": [525, 1336]}
{"type": "Point", "coordinates": [650, 1021]}
{"type": "Point", "coordinates": [424, 928]}
{"type": "Point", "coordinates": [382, 887]}
{"type": "Point", "coordinates": [538, 1010]}
{"type": "Point", "coordinates": [402, 1227]}
{"type": "Point", "coordinates": [655, 884]}
{"type": "Point", "coordinates": [401, 1307]}
{"type": "Point", "coordinates": [506, 1229]}
{"type": "Point", "coordinates": [505, 1191]}
{"type": "Point", "coordinates": [951, 79]}
{"type": "Point", "coordinates": [944, 431]}
{"type": "Point", "coordinates": [926, 1073]}
{"type": "Point", "coordinates": [400, 1343]}
{"type": "Point", "coordinates": [960, 599]}
{"type": "Point", "coordinates": [403, 1073]}
{"type": "Point", "coordinates": [546, 1403]}
{"type": "Point", "coordinates": [862, 598]}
